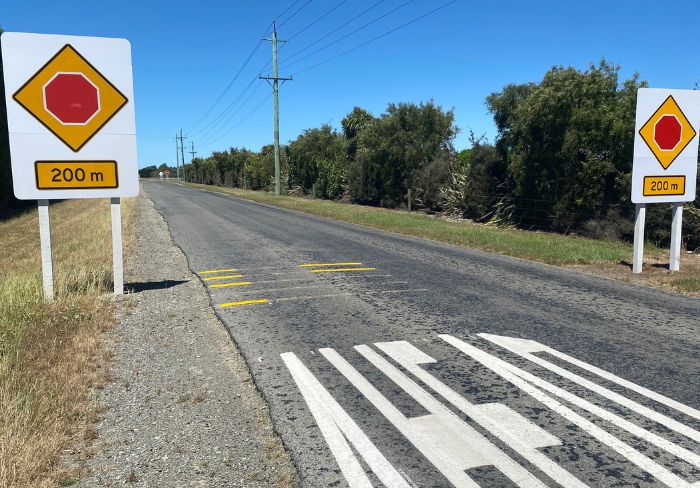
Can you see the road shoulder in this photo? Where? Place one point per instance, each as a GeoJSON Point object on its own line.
{"type": "Point", "coordinates": [181, 408]}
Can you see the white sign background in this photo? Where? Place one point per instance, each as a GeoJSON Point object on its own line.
{"type": "Point", "coordinates": [23, 55]}
{"type": "Point", "coordinates": [646, 164]}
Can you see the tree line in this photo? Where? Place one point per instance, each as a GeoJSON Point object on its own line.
{"type": "Point", "coordinates": [561, 160]}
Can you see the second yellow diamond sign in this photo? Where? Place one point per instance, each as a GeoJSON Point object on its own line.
{"type": "Point", "coordinates": [70, 98]}
{"type": "Point", "coordinates": [665, 146]}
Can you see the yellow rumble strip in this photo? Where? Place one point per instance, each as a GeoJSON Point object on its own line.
{"type": "Point", "coordinates": [340, 270]}
{"type": "Point", "coordinates": [317, 265]}
{"type": "Point", "coordinates": [226, 285]}
{"type": "Point", "coordinates": [228, 277]}
{"type": "Point", "coordinates": [212, 271]}
{"type": "Point", "coordinates": [244, 302]}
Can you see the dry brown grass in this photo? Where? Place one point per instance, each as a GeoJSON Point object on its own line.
{"type": "Point", "coordinates": [49, 353]}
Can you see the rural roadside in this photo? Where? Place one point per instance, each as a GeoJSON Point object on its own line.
{"type": "Point", "coordinates": [180, 408]}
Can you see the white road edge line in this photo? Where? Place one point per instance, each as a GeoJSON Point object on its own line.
{"type": "Point", "coordinates": [507, 372]}
{"type": "Point", "coordinates": [337, 426]}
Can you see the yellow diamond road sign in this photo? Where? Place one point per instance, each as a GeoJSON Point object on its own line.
{"type": "Point", "coordinates": [665, 159]}
{"type": "Point", "coordinates": [667, 132]}
{"type": "Point", "coordinates": [70, 98]}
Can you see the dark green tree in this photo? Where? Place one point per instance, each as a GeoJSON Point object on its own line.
{"type": "Point", "coordinates": [354, 123]}
{"type": "Point", "coordinates": [317, 160]}
{"type": "Point", "coordinates": [395, 150]}
{"type": "Point", "coordinates": [568, 144]}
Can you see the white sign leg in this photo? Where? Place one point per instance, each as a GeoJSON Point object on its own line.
{"type": "Point", "coordinates": [638, 257]}
{"type": "Point", "coordinates": [676, 227]}
{"type": "Point", "coordinates": [117, 246]}
{"type": "Point", "coordinates": [45, 242]}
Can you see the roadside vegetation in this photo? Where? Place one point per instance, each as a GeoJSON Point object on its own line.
{"type": "Point", "coordinates": [545, 247]}
{"type": "Point", "coordinates": [50, 353]}
{"type": "Point", "coordinates": [561, 161]}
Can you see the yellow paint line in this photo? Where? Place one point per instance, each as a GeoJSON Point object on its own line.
{"type": "Point", "coordinates": [212, 271]}
{"type": "Point", "coordinates": [317, 265]}
{"type": "Point", "coordinates": [228, 277]}
{"type": "Point", "coordinates": [340, 270]}
{"type": "Point", "coordinates": [244, 302]}
{"type": "Point", "coordinates": [226, 285]}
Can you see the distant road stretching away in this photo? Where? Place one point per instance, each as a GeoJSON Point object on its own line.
{"type": "Point", "coordinates": [396, 361]}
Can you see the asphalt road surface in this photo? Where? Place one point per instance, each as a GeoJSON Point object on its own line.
{"type": "Point", "coordinates": [400, 362]}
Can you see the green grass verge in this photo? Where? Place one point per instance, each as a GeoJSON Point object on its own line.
{"type": "Point", "coordinates": [544, 247]}
{"type": "Point", "coordinates": [688, 285]}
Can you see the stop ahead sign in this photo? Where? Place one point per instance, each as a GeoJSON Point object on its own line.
{"type": "Point", "coordinates": [666, 146]}
{"type": "Point", "coordinates": [70, 116]}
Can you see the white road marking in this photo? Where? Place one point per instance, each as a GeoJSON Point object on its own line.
{"type": "Point", "coordinates": [252, 290]}
{"type": "Point", "coordinates": [523, 436]}
{"type": "Point", "coordinates": [525, 348]}
{"type": "Point", "coordinates": [337, 428]}
{"type": "Point", "coordinates": [526, 382]}
{"type": "Point", "coordinates": [669, 402]}
{"type": "Point", "coordinates": [347, 294]}
{"type": "Point", "coordinates": [630, 427]}
{"type": "Point", "coordinates": [449, 443]}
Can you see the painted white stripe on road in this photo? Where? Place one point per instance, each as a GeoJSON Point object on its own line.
{"type": "Point", "coordinates": [449, 443]}
{"type": "Point", "coordinates": [614, 419]}
{"type": "Point", "coordinates": [523, 436]}
{"type": "Point", "coordinates": [524, 348]}
{"type": "Point", "coordinates": [664, 400]}
{"type": "Point", "coordinates": [337, 426]}
{"type": "Point", "coordinates": [508, 372]}
{"type": "Point", "coordinates": [348, 294]}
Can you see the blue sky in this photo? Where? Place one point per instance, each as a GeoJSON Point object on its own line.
{"type": "Point", "coordinates": [185, 53]}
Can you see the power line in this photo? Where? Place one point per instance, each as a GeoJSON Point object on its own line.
{"type": "Point", "coordinates": [257, 107]}
{"type": "Point", "coordinates": [317, 20]}
{"type": "Point", "coordinates": [230, 106]}
{"type": "Point", "coordinates": [285, 11]}
{"type": "Point", "coordinates": [210, 126]}
{"type": "Point", "coordinates": [372, 7]}
{"type": "Point", "coordinates": [240, 70]}
{"type": "Point", "coordinates": [376, 38]}
{"type": "Point", "coordinates": [215, 132]}
{"type": "Point", "coordinates": [326, 46]}
{"type": "Point", "coordinates": [292, 16]}
{"type": "Point", "coordinates": [230, 83]}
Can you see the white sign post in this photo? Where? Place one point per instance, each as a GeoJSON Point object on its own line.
{"type": "Point", "coordinates": [665, 160]}
{"type": "Point", "coordinates": [72, 129]}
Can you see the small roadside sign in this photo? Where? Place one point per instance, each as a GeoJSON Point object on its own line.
{"type": "Point", "coordinates": [70, 115]}
{"type": "Point", "coordinates": [666, 146]}
{"type": "Point", "coordinates": [665, 163]}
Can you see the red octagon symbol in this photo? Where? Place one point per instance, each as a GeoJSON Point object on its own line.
{"type": "Point", "coordinates": [667, 132]}
{"type": "Point", "coordinates": [71, 98]}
